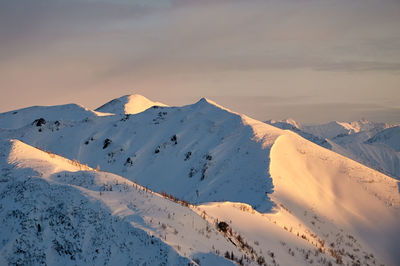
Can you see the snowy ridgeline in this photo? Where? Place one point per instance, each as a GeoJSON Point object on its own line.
{"type": "Point", "coordinates": [216, 188]}
{"type": "Point", "coordinates": [199, 153]}
{"type": "Point", "coordinates": [55, 213]}
{"type": "Point", "coordinates": [376, 145]}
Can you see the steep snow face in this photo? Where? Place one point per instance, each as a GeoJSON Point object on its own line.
{"type": "Point", "coordinates": [128, 104]}
{"type": "Point", "coordinates": [377, 152]}
{"type": "Point", "coordinates": [376, 155]}
{"type": "Point", "coordinates": [199, 152]}
{"type": "Point", "coordinates": [375, 148]}
{"type": "Point", "coordinates": [22, 117]}
{"type": "Point", "coordinates": [320, 202]}
{"type": "Point", "coordinates": [309, 178]}
{"type": "Point", "coordinates": [379, 149]}
{"type": "Point", "coordinates": [74, 215]}
{"type": "Point", "coordinates": [48, 221]}
{"type": "Point", "coordinates": [390, 137]}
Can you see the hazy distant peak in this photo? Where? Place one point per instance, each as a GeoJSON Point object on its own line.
{"type": "Point", "coordinates": [128, 104]}
{"type": "Point", "coordinates": [390, 137]}
{"type": "Point", "coordinates": [288, 123]}
{"type": "Point", "coordinates": [335, 128]}
{"type": "Point", "coordinates": [292, 122]}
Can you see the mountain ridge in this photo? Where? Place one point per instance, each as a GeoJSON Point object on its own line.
{"type": "Point", "coordinates": [363, 141]}
{"type": "Point", "coordinates": [227, 167]}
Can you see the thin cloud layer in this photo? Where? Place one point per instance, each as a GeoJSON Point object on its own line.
{"type": "Point", "coordinates": [192, 48]}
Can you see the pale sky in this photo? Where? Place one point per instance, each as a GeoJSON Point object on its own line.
{"type": "Point", "coordinates": [314, 61]}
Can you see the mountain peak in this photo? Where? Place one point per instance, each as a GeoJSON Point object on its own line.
{"type": "Point", "coordinates": [204, 100]}
{"type": "Point", "coordinates": [128, 104]}
{"type": "Point", "coordinates": [207, 102]}
{"type": "Point", "coordinates": [292, 122]}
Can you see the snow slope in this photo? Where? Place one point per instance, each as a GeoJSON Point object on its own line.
{"type": "Point", "coordinates": [68, 112]}
{"type": "Point", "coordinates": [73, 215]}
{"type": "Point", "coordinates": [128, 104]}
{"type": "Point", "coordinates": [337, 189]}
{"type": "Point", "coordinates": [376, 155]}
{"type": "Point", "coordinates": [390, 137]}
{"type": "Point", "coordinates": [200, 152]}
{"type": "Point", "coordinates": [284, 199]}
{"type": "Point", "coordinates": [374, 147]}
{"type": "Point", "coordinates": [320, 197]}
{"type": "Point", "coordinates": [261, 233]}
{"type": "Point", "coordinates": [48, 222]}
{"type": "Point", "coordinates": [63, 191]}
{"type": "Point", "coordinates": [372, 144]}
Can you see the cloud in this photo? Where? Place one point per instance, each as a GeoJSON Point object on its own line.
{"type": "Point", "coordinates": [29, 26]}
{"type": "Point", "coordinates": [359, 66]}
{"type": "Point", "coordinates": [209, 35]}
{"type": "Point", "coordinates": [193, 47]}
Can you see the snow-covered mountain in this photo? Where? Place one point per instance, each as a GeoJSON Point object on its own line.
{"type": "Point", "coordinates": [390, 137]}
{"type": "Point", "coordinates": [56, 211]}
{"type": "Point", "coordinates": [200, 183]}
{"type": "Point", "coordinates": [128, 104]}
{"type": "Point", "coordinates": [292, 125]}
{"type": "Point", "coordinates": [339, 129]}
{"type": "Point", "coordinates": [68, 112]}
{"type": "Point", "coordinates": [376, 145]}
{"type": "Point", "coordinates": [205, 149]}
